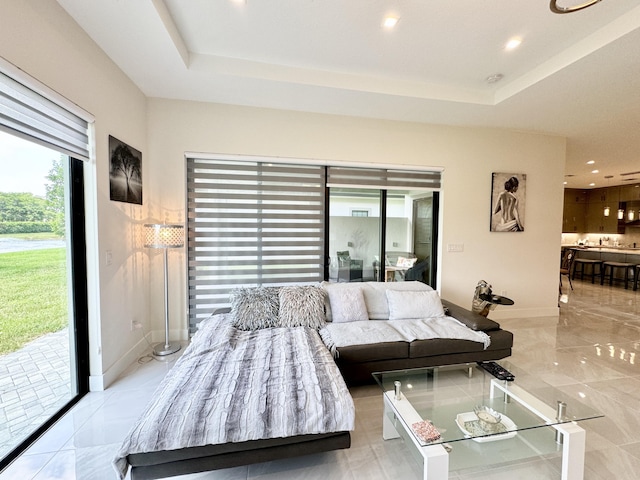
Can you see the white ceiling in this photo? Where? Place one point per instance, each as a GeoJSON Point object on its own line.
{"type": "Point", "coordinates": [575, 75]}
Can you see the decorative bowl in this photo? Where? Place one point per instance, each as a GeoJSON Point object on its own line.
{"type": "Point", "coordinates": [488, 416]}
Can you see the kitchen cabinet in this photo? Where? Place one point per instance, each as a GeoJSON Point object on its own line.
{"type": "Point", "coordinates": [575, 210]}
{"type": "Point", "coordinates": [597, 222]}
{"type": "Point", "coordinates": [584, 210]}
{"type": "Point", "coordinates": [629, 193]}
{"type": "Point", "coordinates": [609, 195]}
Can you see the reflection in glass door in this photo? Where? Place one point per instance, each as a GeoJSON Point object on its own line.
{"type": "Point", "coordinates": [354, 235]}
{"type": "Point", "coordinates": [358, 251]}
{"type": "Point", "coordinates": [42, 290]}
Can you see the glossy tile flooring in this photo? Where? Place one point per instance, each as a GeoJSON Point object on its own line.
{"type": "Point", "coordinates": [590, 351]}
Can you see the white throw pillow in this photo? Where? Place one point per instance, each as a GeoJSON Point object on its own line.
{"type": "Point", "coordinates": [375, 296]}
{"type": "Point", "coordinates": [347, 305]}
{"type": "Point", "coordinates": [409, 305]}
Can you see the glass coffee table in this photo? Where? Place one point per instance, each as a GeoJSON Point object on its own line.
{"type": "Point", "coordinates": [481, 420]}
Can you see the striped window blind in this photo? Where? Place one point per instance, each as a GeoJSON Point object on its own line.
{"type": "Point", "coordinates": [383, 178]}
{"type": "Point", "coordinates": [26, 112]}
{"type": "Point", "coordinates": [251, 224]}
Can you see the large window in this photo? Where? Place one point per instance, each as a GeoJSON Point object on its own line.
{"type": "Point", "coordinates": [257, 223]}
{"type": "Point", "coordinates": [43, 296]}
{"type": "Point", "coordinates": [249, 224]}
{"type": "Point", "coordinates": [395, 242]}
{"type": "Point", "coordinates": [43, 317]}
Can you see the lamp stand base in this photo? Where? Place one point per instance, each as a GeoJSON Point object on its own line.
{"type": "Point", "coordinates": [163, 349]}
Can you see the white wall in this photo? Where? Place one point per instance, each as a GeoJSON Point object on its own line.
{"type": "Point", "coordinates": [524, 265]}
{"type": "Point", "coordinates": [41, 39]}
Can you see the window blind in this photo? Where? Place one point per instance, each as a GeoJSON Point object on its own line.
{"type": "Point", "coordinates": [27, 113]}
{"type": "Point", "coordinates": [251, 224]}
{"type": "Point", "coordinates": [383, 178]}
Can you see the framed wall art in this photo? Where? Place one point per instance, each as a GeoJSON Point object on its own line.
{"type": "Point", "coordinates": [508, 199]}
{"type": "Point", "coordinates": [125, 172]}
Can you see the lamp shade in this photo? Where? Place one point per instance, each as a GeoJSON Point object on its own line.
{"type": "Point", "coordinates": [157, 235]}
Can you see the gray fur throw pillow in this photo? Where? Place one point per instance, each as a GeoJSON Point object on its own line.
{"type": "Point", "coordinates": [254, 308]}
{"type": "Point", "coordinates": [301, 306]}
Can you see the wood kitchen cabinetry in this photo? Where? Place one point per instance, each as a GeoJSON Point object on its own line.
{"type": "Point", "coordinates": [629, 193]}
{"type": "Point", "coordinates": [575, 210]}
{"type": "Point", "coordinates": [584, 210]}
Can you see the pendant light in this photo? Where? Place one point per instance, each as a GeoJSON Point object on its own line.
{"type": "Point", "coordinates": [607, 210]}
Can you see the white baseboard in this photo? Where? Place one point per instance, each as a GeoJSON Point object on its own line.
{"type": "Point", "coordinates": [98, 383]}
{"type": "Point", "coordinates": [508, 312]}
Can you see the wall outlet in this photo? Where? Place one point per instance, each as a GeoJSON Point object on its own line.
{"type": "Point", "coordinates": [135, 325]}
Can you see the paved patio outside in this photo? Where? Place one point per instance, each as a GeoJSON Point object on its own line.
{"type": "Point", "coordinates": [34, 384]}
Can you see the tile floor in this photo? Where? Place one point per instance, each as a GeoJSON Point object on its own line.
{"type": "Point", "coordinates": [590, 350]}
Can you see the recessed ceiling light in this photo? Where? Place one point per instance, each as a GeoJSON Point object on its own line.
{"type": "Point", "coordinates": [591, 162]}
{"type": "Point", "coordinates": [513, 43]}
{"type": "Point", "coordinates": [592, 184]}
{"type": "Point", "coordinates": [565, 183]}
{"type": "Point", "coordinates": [595, 171]}
{"type": "Point", "coordinates": [390, 22]}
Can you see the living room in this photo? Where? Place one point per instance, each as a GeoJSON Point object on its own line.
{"type": "Point", "coordinates": [41, 39]}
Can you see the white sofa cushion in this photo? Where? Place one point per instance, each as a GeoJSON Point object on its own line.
{"type": "Point", "coordinates": [374, 293]}
{"type": "Point", "coordinates": [347, 305]}
{"type": "Point", "coordinates": [405, 305]}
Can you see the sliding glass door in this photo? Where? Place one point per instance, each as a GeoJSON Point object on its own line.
{"type": "Point", "coordinates": [382, 235]}
{"type": "Point", "coordinates": [43, 313]}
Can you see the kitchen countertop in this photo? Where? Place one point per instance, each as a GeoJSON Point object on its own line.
{"type": "Point", "coordinates": [605, 248]}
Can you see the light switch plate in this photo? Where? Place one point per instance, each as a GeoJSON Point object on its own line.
{"type": "Point", "coordinates": [455, 247]}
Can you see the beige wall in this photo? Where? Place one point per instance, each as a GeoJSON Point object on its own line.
{"type": "Point", "coordinates": [524, 265]}
{"type": "Point", "coordinates": [41, 39]}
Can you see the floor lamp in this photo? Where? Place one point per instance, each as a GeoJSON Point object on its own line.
{"type": "Point", "coordinates": [165, 237]}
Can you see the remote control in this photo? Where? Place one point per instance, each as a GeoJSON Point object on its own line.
{"type": "Point", "coordinates": [497, 371]}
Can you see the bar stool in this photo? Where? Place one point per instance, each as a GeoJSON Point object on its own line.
{"type": "Point", "coordinates": [635, 277]}
{"type": "Point", "coordinates": [582, 262]}
{"type": "Point", "coordinates": [615, 266]}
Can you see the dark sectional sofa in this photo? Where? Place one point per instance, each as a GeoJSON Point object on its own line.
{"type": "Point", "coordinates": [358, 362]}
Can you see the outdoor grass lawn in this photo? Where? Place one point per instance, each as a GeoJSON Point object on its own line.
{"type": "Point", "coordinates": [33, 296]}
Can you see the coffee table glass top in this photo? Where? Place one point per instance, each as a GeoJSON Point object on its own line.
{"type": "Point", "coordinates": [463, 408]}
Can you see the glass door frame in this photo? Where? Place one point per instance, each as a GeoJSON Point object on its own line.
{"type": "Point", "coordinates": [79, 321]}
{"type": "Point", "coordinates": [433, 273]}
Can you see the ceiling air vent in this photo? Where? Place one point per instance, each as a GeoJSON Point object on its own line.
{"type": "Point", "coordinates": [629, 173]}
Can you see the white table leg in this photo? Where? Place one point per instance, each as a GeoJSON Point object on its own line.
{"type": "Point", "coordinates": [436, 462]}
{"type": "Point", "coordinates": [389, 430]}
{"type": "Point", "coordinates": [435, 457]}
{"type": "Point", "coordinates": [573, 448]}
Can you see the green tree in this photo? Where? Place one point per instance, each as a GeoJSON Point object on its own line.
{"type": "Point", "coordinates": [55, 197]}
{"type": "Point", "coordinates": [22, 207]}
